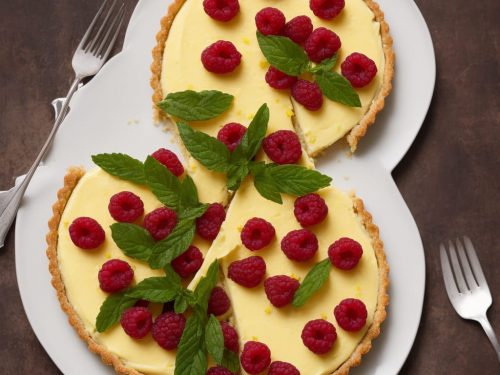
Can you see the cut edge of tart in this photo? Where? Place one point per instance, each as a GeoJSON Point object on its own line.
{"type": "Point", "coordinates": [353, 136]}
{"type": "Point", "coordinates": [71, 180]}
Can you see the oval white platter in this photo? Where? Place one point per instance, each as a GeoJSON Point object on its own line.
{"type": "Point", "coordinates": [113, 114]}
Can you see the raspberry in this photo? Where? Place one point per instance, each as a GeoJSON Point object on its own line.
{"type": "Point", "coordinates": [280, 289]}
{"type": "Point", "coordinates": [221, 10]}
{"type": "Point", "coordinates": [219, 370]}
{"type": "Point", "coordinates": [208, 225]}
{"type": "Point", "coordinates": [136, 322]}
{"type": "Point", "coordinates": [219, 302]}
{"type": "Point", "coordinates": [270, 21]}
{"type": "Point", "coordinates": [279, 80]}
{"type": "Point", "coordinates": [160, 222]}
{"type": "Point", "coordinates": [125, 207]}
{"type": "Point", "coordinates": [247, 272]}
{"type": "Point", "coordinates": [326, 9]}
{"type": "Point", "coordinates": [298, 29]}
{"type": "Point", "coordinates": [322, 44]}
{"type": "Point", "coordinates": [310, 209]}
{"type": "Point", "coordinates": [299, 245]}
{"type": "Point", "coordinates": [345, 253]}
{"type": "Point", "coordinates": [188, 262]}
{"type": "Point", "coordinates": [257, 234]}
{"type": "Point", "coordinates": [221, 57]}
{"type": "Point", "coordinates": [351, 314]}
{"type": "Point", "coordinates": [86, 233]}
{"type": "Point", "coordinates": [115, 275]}
{"type": "Point", "coordinates": [308, 94]}
{"type": "Point", "coordinates": [231, 339]}
{"type": "Point", "coordinates": [283, 147]}
{"type": "Point", "coordinates": [169, 160]}
{"type": "Point", "coordinates": [231, 135]}
{"type": "Point", "coordinates": [318, 336]}
{"type": "Point", "coordinates": [358, 69]}
{"type": "Point", "coordinates": [255, 357]}
{"type": "Point", "coordinates": [168, 328]}
{"type": "Point", "coordinates": [282, 368]}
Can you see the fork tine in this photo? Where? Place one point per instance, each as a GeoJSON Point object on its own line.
{"type": "Point", "coordinates": [474, 261]}
{"type": "Point", "coordinates": [113, 40]}
{"type": "Point", "coordinates": [91, 27]}
{"type": "Point", "coordinates": [469, 276]}
{"type": "Point", "coordinates": [108, 37]}
{"type": "Point", "coordinates": [449, 282]}
{"type": "Point", "coordinates": [95, 39]}
{"type": "Point", "coordinates": [462, 286]}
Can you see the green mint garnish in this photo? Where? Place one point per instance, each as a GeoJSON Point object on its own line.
{"type": "Point", "coordinates": [252, 140]}
{"type": "Point", "coordinates": [112, 309]}
{"type": "Point", "coordinates": [236, 174]}
{"type": "Point", "coordinates": [214, 339]}
{"type": "Point", "coordinates": [324, 66]}
{"type": "Point", "coordinates": [337, 88]}
{"type": "Point", "coordinates": [297, 180]}
{"type": "Point", "coordinates": [133, 240]}
{"type": "Point", "coordinates": [267, 186]}
{"type": "Point", "coordinates": [191, 357]}
{"type": "Point", "coordinates": [122, 166]}
{"type": "Point", "coordinates": [196, 106]}
{"type": "Point", "coordinates": [206, 284]}
{"type": "Point", "coordinates": [231, 361]}
{"type": "Point", "coordinates": [283, 54]}
{"type": "Point", "coordinates": [156, 289]}
{"type": "Point", "coordinates": [313, 281]}
{"type": "Point", "coordinates": [188, 194]}
{"type": "Point", "coordinates": [163, 183]}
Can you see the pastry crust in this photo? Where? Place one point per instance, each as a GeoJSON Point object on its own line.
{"type": "Point", "coordinates": [353, 136]}
{"type": "Point", "coordinates": [71, 179]}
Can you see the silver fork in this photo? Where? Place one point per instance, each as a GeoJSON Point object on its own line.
{"type": "Point", "coordinates": [89, 57]}
{"type": "Point", "coordinates": [466, 285]}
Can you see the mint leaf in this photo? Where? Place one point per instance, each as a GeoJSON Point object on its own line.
{"type": "Point", "coordinates": [313, 281]}
{"type": "Point", "coordinates": [209, 151]}
{"type": "Point", "coordinates": [189, 193]}
{"type": "Point", "coordinates": [175, 244]}
{"type": "Point", "coordinates": [231, 361]}
{"type": "Point", "coordinates": [325, 65]}
{"type": "Point", "coordinates": [122, 166]}
{"type": "Point", "coordinates": [133, 240]}
{"type": "Point", "coordinates": [191, 358]}
{"type": "Point", "coordinates": [252, 140]}
{"type": "Point", "coordinates": [206, 284]}
{"type": "Point", "coordinates": [283, 54]}
{"type": "Point", "coordinates": [235, 176]}
{"type": "Point", "coordinates": [163, 183]}
{"type": "Point", "coordinates": [337, 88]}
{"type": "Point", "coordinates": [214, 340]}
{"type": "Point", "coordinates": [196, 106]}
{"type": "Point", "coordinates": [267, 187]}
{"type": "Point", "coordinates": [193, 212]}
{"type": "Point", "coordinates": [297, 180]}
{"type": "Point", "coordinates": [181, 304]}
{"type": "Point", "coordinates": [155, 289]}
{"type": "Point", "coordinates": [112, 309]}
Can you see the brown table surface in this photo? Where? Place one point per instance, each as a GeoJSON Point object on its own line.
{"type": "Point", "coordinates": [450, 178]}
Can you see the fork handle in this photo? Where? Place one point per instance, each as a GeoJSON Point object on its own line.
{"type": "Point", "coordinates": [485, 323]}
{"type": "Point", "coordinates": [9, 213]}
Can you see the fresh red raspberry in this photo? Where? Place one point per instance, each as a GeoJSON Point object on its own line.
{"type": "Point", "coordinates": [270, 21]}
{"type": "Point", "coordinates": [221, 10]}
{"type": "Point", "coordinates": [221, 57]}
{"type": "Point", "coordinates": [247, 272]}
{"type": "Point", "coordinates": [136, 322]}
{"type": "Point", "coordinates": [125, 207]}
{"type": "Point", "coordinates": [169, 160]}
{"type": "Point", "coordinates": [208, 225]}
{"type": "Point", "coordinates": [280, 289]}
{"type": "Point", "coordinates": [326, 9]}
{"type": "Point", "coordinates": [168, 328]}
{"type": "Point", "coordinates": [345, 253]}
{"type": "Point", "coordinates": [322, 44]}
{"type": "Point", "coordinates": [283, 147]}
{"type": "Point", "coordinates": [299, 245]}
{"type": "Point", "coordinates": [279, 80]}
{"type": "Point", "coordinates": [308, 94]}
{"type": "Point", "coordinates": [231, 135]}
{"type": "Point", "coordinates": [115, 275]}
{"type": "Point", "coordinates": [86, 233]}
{"type": "Point", "coordinates": [231, 339]}
{"type": "Point", "coordinates": [160, 222]}
{"type": "Point", "coordinates": [310, 209]}
{"type": "Point", "coordinates": [219, 370]}
{"type": "Point", "coordinates": [256, 357]}
{"type": "Point", "coordinates": [319, 335]}
{"type": "Point", "coordinates": [282, 368]}
{"type": "Point", "coordinates": [298, 29]}
{"type": "Point", "coordinates": [358, 69]}
{"type": "Point", "coordinates": [257, 234]}
{"type": "Point", "coordinates": [188, 262]}
{"type": "Point", "coordinates": [351, 314]}
{"type": "Point", "coordinates": [219, 302]}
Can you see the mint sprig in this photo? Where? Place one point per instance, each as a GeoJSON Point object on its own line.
{"type": "Point", "coordinates": [122, 166]}
{"type": "Point", "coordinates": [313, 281]}
{"type": "Point", "coordinates": [324, 66]}
{"type": "Point", "coordinates": [252, 140]}
{"type": "Point", "coordinates": [214, 339]}
{"type": "Point", "coordinates": [337, 88]}
{"type": "Point", "coordinates": [163, 183]}
{"type": "Point", "coordinates": [191, 357]}
{"type": "Point", "coordinates": [112, 309]}
{"type": "Point", "coordinates": [196, 106]}
{"type": "Point", "coordinates": [133, 240]}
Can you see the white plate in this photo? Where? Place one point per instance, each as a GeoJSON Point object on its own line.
{"type": "Point", "coordinates": [113, 114]}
